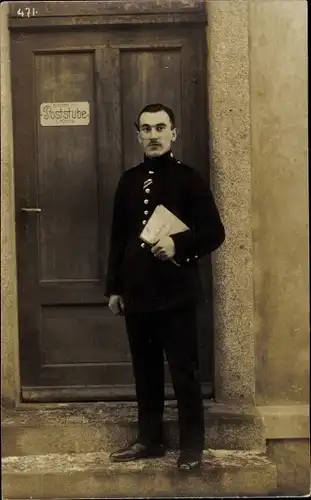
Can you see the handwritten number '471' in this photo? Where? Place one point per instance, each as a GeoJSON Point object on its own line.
{"type": "Point", "coordinates": [26, 12]}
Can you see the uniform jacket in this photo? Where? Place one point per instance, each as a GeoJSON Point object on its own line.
{"type": "Point", "coordinates": [145, 282]}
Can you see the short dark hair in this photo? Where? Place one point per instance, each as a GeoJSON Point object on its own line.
{"type": "Point", "coordinates": [155, 108]}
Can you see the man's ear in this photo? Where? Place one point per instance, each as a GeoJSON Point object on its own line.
{"type": "Point", "coordinates": [138, 136]}
{"type": "Point", "coordinates": [174, 131]}
{"type": "Point", "coordinates": [137, 132]}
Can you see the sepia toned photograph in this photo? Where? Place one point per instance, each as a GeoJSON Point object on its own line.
{"type": "Point", "coordinates": [154, 249]}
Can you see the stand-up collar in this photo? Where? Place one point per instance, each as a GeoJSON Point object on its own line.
{"type": "Point", "coordinates": [159, 161]}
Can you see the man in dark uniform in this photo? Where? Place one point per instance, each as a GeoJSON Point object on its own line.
{"type": "Point", "coordinates": [157, 297]}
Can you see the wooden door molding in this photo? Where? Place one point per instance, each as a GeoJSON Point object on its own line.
{"type": "Point", "coordinates": [74, 15]}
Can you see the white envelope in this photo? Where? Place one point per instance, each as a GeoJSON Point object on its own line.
{"type": "Point", "coordinates": [161, 223]}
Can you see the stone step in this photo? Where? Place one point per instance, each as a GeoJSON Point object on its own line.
{"type": "Point", "coordinates": [92, 475]}
{"type": "Point", "coordinates": [87, 428]}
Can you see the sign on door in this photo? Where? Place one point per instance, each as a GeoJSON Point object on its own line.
{"type": "Point", "coordinates": [58, 114]}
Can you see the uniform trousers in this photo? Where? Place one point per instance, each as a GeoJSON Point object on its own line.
{"type": "Point", "coordinates": [173, 332]}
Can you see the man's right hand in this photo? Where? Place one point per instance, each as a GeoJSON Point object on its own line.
{"type": "Point", "coordinates": [116, 305]}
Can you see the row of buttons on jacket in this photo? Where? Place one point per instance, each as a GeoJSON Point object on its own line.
{"type": "Point", "coordinates": [147, 191]}
{"type": "Point", "coordinates": [146, 212]}
{"type": "Point", "coordinates": [146, 201]}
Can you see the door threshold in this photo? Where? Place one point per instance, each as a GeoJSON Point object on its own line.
{"type": "Point", "coordinates": [94, 394]}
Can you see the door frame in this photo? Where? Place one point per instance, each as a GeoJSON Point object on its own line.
{"type": "Point", "coordinates": [74, 15]}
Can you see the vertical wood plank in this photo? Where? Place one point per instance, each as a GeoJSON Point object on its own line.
{"type": "Point", "coordinates": [195, 152]}
{"type": "Point", "coordinates": [26, 195]}
{"type": "Point", "coordinates": [109, 137]}
{"type": "Point", "coordinates": [189, 83]}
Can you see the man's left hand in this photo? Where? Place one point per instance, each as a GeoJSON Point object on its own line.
{"type": "Point", "coordinates": [164, 249]}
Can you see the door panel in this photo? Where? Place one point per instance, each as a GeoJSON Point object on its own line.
{"type": "Point", "coordinates": [71, 347]}
{"type": "Point", "coordinates": [148, 75]}
{"type": "Point", "coordinates": [68, 191]}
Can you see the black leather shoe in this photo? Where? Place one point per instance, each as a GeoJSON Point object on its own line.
{"type": "Point", "coordinates": [189, 460]}
{"type": "Point", "coordinates": [137, 451]}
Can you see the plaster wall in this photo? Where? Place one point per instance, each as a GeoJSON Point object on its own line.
{"type": "Point", "coordinates": [278, 90]}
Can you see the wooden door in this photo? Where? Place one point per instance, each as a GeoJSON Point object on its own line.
{"type": "Point", "coordinates": [71, 347]}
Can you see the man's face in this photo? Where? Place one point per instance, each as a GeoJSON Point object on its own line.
{"type": "Point", "coordinates": [156, 133]}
